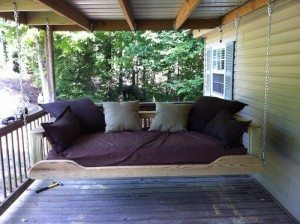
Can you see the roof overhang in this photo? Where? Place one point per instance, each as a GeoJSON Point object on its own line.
{"type": "Point", "coordinates": [118, 15]}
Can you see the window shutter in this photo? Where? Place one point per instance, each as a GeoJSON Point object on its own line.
{"type": "Point", "coordinates": [208, 68]}
{"type": "Point", "coordinates": [229, 69]}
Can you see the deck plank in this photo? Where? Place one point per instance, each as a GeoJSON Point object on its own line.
{"type": "Point", "coordinates": [221, 199]}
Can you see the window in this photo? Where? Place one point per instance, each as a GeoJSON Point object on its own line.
{"type": "Point", "coordinates": [218, 71]}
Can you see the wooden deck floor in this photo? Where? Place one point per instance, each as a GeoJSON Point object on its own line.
{"type": "Point", "coordinates": [231, 199]}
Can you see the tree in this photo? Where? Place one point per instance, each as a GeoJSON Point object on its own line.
{"type": "Point", "coordinates": [108, 66]}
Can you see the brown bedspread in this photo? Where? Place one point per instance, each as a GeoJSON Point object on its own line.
{"type": "Point", "coordinates": [145, 148]}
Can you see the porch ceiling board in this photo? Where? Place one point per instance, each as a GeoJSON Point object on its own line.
{"type": "Point", "coordinates": [99, 10]}
{"type": "Point", "coordinates": [155, 9]}
{"type": "Point", "coordinates": [63, 8]}
{"type": "Point", "coordinates": [24, 5]}
{"type": "Point", "coordinates": [185, 11]}
{"type": "Point", "coordinates": [216, 8]}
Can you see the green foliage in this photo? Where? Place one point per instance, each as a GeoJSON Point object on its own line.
{"type": "Point", "coordinates": [161, 66]}
{"type": "Point", "coordinates": [148, 66]}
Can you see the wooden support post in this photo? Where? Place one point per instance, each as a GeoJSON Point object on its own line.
{"type": "Point", "coordinates": [50, 93]}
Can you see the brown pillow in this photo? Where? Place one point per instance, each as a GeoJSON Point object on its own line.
{"type": "Point", "coordinates": [225, 127]}
{"type": "Point", "coordinates": [170, 117]}
{"type": "Point", "coordinates": [63, 131]}
{"type": "Point", "coordinates": [122, 116]}
{"type": "Point", "coordinates": [90, 117]}
{"type": "Point", "coordinates": [206, 108]}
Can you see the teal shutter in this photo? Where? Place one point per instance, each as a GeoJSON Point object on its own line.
{"type": "Point", "coordinates": [229, 70]}
{"type": "Point", "coordinates": [208, 70]}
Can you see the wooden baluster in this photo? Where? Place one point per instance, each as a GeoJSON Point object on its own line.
{"type": "Point", "coordinates": [29, 128]}
{"type": "Point", "coordinates": [23, 151]}
{"type": "Point", "coordinates": [14, 158]}
{"type": "Point", "coordinates": [8, 164]}
{"type": "Point", "coordinates": [2, 169]}
{"type": "Point", "coordinates": [19, 156]}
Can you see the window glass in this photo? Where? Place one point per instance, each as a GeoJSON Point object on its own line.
{"type": "Point", "coordinates": [219, 59]}
{"type": "Point", "coordinates": [218, 83]}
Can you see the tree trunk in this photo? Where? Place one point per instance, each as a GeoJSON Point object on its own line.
{"type": "Point", "coordinates": [51, 90]}
{"type": "Point", "coordinates": [41, 69]}
{"type": "Point", "coordinates": [108, 66]}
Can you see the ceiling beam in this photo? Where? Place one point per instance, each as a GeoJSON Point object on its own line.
{"type": "Point", "coordinates": [124, 4]}
{"type": "Point", "coordinates": [10, 16]}
{"type": "Point", "coordinates": [39, 18]}
{"type": "Point", "coordinates": [185, 11]}
{"type": "Point", "coordinates": [243, 10]}
{"type": "Point", "coordinates": [24, 5]}
{"type": "Point", "coordinates": [65, 9]}
{"type": "Point", "coordinates": [122, 25]}
{"type": "Point", "coordinates": [201, 24]}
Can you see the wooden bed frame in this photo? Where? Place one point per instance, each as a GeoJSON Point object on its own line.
{"type": "Point", "coordinates": [67, 169]}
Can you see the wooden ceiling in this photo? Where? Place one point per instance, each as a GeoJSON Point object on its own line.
{"type": "Point", "coordinates": [128, 14]}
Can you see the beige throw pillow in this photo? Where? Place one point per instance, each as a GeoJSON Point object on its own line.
{"type": "Point", "coordinates": [170, 117]}
{"type": "Point", "coordinates": [122, 116]}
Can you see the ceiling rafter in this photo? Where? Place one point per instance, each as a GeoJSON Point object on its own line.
{"type": "Point", "coordinates": [65, 9]}
{"type": "Point", "coordinates": [126, 9]}
{"type": "Point", "coordinates": [185, 11]}
{"type": "Point", "coordinates": [243, 10]}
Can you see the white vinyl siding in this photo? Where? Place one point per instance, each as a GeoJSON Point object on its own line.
{"type": "Point", "coordinates": [282, 166]}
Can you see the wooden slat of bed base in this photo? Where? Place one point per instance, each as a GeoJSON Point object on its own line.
{"type": "Point", "coordinates": [67, 169]}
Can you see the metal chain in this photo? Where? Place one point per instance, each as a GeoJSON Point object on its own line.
{"type": "Point", "coordinates": [236, 24]}
{"type": "Point", "coordinates": [205, 68]}
{"type": "Point", "coordinates": [221, 33]}
{"type": "Point", "coordinates": [49, 45]}
{"type": "Point", "coordinates": [267, 77]}
{"type": "Point", "coordinates": [24, 99]}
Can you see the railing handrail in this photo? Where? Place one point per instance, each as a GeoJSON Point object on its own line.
{"type": "Point", "coordinates": [20, 123]}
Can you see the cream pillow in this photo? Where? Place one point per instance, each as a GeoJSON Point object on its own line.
{"type": "Point", "coordinates": [122, 116]}
{"type": "Point", "coordinates": [170, 117]}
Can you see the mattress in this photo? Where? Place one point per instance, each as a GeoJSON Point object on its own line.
{"type": "Point", "coordinates": [145, 148]}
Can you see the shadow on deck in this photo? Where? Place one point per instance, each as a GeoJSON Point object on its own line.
{"type": "Point", "coordinates": [221, 199]}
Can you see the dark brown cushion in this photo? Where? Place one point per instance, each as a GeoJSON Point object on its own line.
{"type": "Point", "coordinates": [90, 117]}
{"type": "Point", "coordinates": [63, 131]}
{"type": "Point", "coordinates": [225, 127]}
{"type": "Point", "coordinates": [206, 108]}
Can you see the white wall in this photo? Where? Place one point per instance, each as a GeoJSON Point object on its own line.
{"type": "Point", "coordinates": [282, 167]}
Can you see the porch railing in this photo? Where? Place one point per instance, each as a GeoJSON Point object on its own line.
{"type": "Point", "coordinates": [15, 157]}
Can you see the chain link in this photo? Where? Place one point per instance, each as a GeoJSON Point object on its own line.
{"type": "Point", "coordinates": [205, 69]}
{"type": "Point", "coordinates": [49, 52]}
{"type": "Point", "coordinates": [49, 45]}
{"type": "Point", "coordinates": [267, 77]}
{"type": "Point", "coordinates": [236, 24]}
{"type": "Point", "coordinates": [220, 28]}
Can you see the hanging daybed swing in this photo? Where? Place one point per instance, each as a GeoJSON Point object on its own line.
{"type": "Point", "coordinates": [253, 162]}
